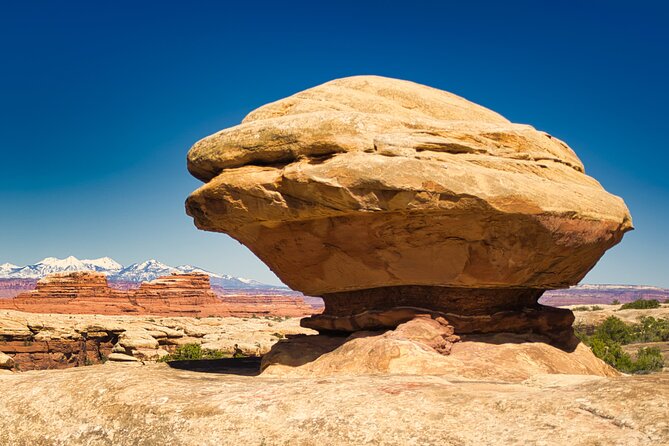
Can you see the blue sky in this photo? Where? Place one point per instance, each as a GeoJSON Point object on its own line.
{"type": "Point", "coordinates": [99, 103]}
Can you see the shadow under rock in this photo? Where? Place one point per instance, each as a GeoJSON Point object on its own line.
{"type": "Point", "coordinates": [249, 366]}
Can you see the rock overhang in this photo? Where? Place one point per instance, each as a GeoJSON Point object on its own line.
{"type": "Point", "coordinates": [364, 150]}
{"type": "Point", "coordinates": [377, 193]}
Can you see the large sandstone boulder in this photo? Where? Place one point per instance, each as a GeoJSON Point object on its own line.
{"type": "Point", "coordinates": [379, 193]}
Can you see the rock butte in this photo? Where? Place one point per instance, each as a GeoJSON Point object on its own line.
{"type": "Point", "coordinates": [393, 200]}
{"type": "Point", "coordinates": [87, 292]}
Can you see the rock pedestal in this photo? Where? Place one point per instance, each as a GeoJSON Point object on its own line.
{"type": "Point", "coordinates": [470, 311]}
{"type": "Point", "coordinates": [379, 194]}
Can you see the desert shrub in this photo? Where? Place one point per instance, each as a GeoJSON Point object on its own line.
{"type": "Point", "coordinates": [641, 304]}
{"type": "Point", "coordinates": [581, 308]}
{"type": "Point", "coordinates": [649, 359]}
{"type": "Point", "coordinates": [616, 330]}
{"type": "Point", "coordinates": [611, 353]}
{"type": "Point", "coordinates": [607, 339]}
{"type": "Point", "coordinates": [650, 329]}
{"type": "Point", "coordinates": [586, 308]}
{"type": "Point", "coordinates": [190, 352]}
{"type": "Point", "coordinates": [615, 302]}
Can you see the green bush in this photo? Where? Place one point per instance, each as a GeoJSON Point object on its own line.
{"type": "Point", "coordinates": [607, 339]}
{"type": "Point", "coordinates": [616, 330]}
{"type": "Point", "coordinates": [649, 359]}
{"type": "Point", "coordinates": [190, 352]}
{"type": "Point", "coordinates": [586, 308]}
{"type": "Point", "coordinates": [650, 329]}
{"type": "Point", "coordinates": [641, 304]}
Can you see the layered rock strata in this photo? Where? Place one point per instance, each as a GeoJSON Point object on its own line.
{"type": "Point", "coordinates": [377, 193]}
{"type": "Point", "coordinates": [31, 341]}
{"type": "Point", "coordinates": [428, 346]}
{"type": "Point", "coordinates": [88, 292]}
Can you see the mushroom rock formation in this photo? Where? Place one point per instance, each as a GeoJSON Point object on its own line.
{"type": "Point", "coordinates": [392, 199]}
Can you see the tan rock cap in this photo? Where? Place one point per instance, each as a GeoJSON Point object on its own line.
{"type": "Point", "coordinates": [368, 182]}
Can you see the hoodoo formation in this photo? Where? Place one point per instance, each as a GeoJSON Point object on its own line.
{"type": "Point", "coordinates": [392, 199]}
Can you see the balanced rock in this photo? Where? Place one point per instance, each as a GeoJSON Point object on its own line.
{"type": "Point", "coordinates": [379, 194]}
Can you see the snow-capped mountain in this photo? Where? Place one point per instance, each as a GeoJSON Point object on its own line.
{"type": "Point", "coordinates": [137, 272]}
{"type": "Point", "coordinates": [7, 268]}
{"type": "Point", "coordinates": [104, 264]}
{"type": "Point", "coordinates": [144, 271]}
{"type": "Point", "coordinates": [195, 269]}
{"type": "Point", "coordinates": [52, 265]}
{"type": "Point", "coordinates": [226, 281]}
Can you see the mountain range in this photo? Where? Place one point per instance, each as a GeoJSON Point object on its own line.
{"type": "Point", "coordinates": [116, 272]}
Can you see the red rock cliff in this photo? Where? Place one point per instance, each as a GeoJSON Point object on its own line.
{"type": "Point", "coordinates": [88, 292]}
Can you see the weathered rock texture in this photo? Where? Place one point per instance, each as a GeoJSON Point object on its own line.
{"type": "Point", "coordinates": [175, 295]}
{"type": "Point", "coordinates": [422, 347]}
{"type": "Point", "coordinates": [31, 341]}
{"type": "Point", "coordinates": [375, 192]}
{"type": "Point", "coordinates": [118, 404]}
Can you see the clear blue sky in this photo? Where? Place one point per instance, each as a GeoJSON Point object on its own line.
{"type": "Point", "coordinates": [100, 101]}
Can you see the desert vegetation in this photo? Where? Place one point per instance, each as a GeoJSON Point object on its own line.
{"type": "Point", "coordinates": [587, 308]}
{"type": "Point", "coordinates": [607, 339]}
{"type": "Point", "coordinates": [190, 352]}
{"type": "Point", "coordinates": [641, 304]}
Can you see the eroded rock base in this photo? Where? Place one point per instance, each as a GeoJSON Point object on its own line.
{"type": "Point", "coordinates": [424, 346]}
{"type": "Point", "coordinates": [469, 311]}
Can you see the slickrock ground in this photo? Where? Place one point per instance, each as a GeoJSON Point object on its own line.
{"type": "Point", "coordinates": [424, 346]}
{"type": "Point", "coordinates": [38, 341]}
{"type": "Point", "coordinates": [88, 292]}
{"type": "Point", "coordinates": [115, 404]}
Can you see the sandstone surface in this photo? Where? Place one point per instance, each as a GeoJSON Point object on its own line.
{"type": "Point", "coordinates": [377, 193]}
{"type": "Point", "coordinates": [88, 292]}
{"type": "Point", "coordinates": [125, 404]}
{"type": "Point", "coordinates": [424, 346]}
{"type": "Point", "coordinates": [369, 182]}
{"type": "Point", "coordinates": [41, 341]}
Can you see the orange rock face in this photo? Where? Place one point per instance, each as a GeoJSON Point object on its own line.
{"type": "Point", "coordinates": [176, 295]}
{"type": "Point", "coordinates": [376, 194]}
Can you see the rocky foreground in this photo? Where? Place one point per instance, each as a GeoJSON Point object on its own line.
{"type": "Point", "coordinates": [31, 341]}
{"type": "Point", "coordinates": [116, 404]}
{"type": "Point", "coordinates": [381, 388]}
